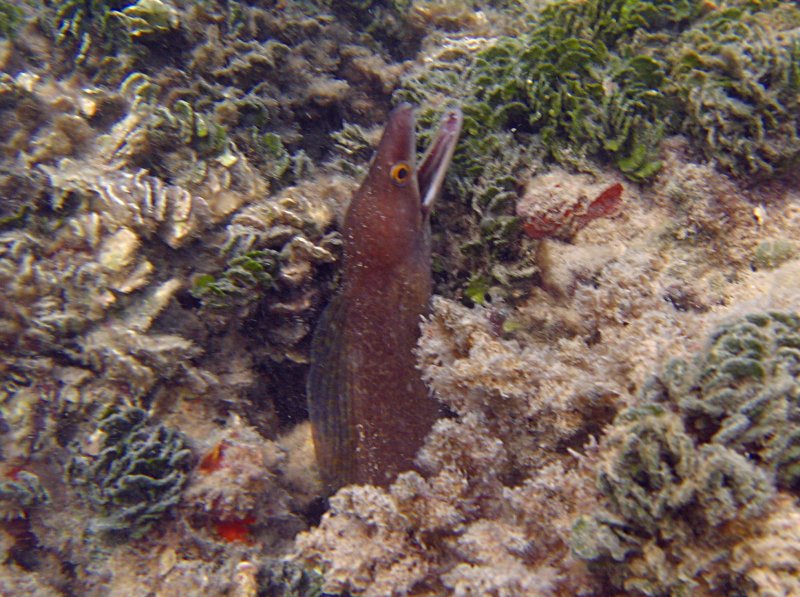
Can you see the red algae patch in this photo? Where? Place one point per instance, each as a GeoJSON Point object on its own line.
{"type": "Point", "coordinates": [559, 204]}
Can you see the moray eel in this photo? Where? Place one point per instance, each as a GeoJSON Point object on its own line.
{"type": "Point", "coordinates": [369, 410]}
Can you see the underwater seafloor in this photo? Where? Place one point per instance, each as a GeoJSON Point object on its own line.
{"type": "Point", "coordinates": [614, 333]}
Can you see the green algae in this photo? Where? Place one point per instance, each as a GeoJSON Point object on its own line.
{"type": "Point", "coordinates": [245, 279]}
{"type": "Point", "coordinates": [11, 18]}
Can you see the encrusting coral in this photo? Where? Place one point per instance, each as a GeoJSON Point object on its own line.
{"type": "Point", "coordinates": [767, 563]}
{"type": "Point", "coordinates": [10, 18]}
{"type": "Point", "coordinates": [666, 496]}
{"type": "Point", "coordinates": [463, 349]}
{"type": "Point", "coordinates": [107, 23]}
{"type": "Point", "coordinates": [737, 76]}
{"type": "Point", "coordinates": [19, 494]}
{"type": "Point", "coordinates": [136, 476]}
{"type": "Point", "coordinates": [742, 392]}
{"type": "Point", "coordinates": [705, 473]}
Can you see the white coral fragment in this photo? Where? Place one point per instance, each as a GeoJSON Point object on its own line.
{"type": "Point", "coordinates": [118, 250]}
{"type": "Point", "coordinates": [136, 200]}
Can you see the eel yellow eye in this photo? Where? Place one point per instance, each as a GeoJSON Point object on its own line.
{"type": "Point", "coordinates": [400, 174]}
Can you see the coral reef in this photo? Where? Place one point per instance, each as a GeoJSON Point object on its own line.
{"type": "Point", "coordinates": [452, 530]}
{"type": "Point", "coordinates": [556, 91]}
{"type": "Point", "coordinates": [173, 176]}
{"type": "Point", "coordinates": [673, 505]}
{"type": "Point", "coordinates": [110, 24]}
{"type": "Point", "coordinates": [138, 201]}
{"type": "Point", "coordinates": [528, 388]}
{"type": "Point", "coordinates": [590, 79]}
{"type": "Point", "coordinates": [601, 81]}
{"type": "Point", "coordinates": [575, 81]}
{"type": "Point", "coordinates": [463, 349]}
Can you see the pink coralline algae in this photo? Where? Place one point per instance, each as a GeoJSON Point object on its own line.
{"type": "Point", "coordinates": [558, 204]}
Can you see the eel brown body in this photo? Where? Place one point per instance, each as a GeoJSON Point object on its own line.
{"type": "Point", "coordinates": [369, 409]}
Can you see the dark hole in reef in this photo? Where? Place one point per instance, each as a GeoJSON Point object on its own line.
{"type": "Point", "coordinates": [684, 299]}
{"type": "Point", "coordinates": [317, 125]}
{"type": "Point", "coordinates": [384, 22]}
{"type": "Point", "coordinates": [108, 113]}
{"type": "Point", "coordinates": [166, 49]}
{"type": "Point", "coordinates": [67, 427]}
{"type": "Point", "coordinates": [314, 510]}
{"type": "Point", "coordinates": [279, 393]}
{"type": "Point", "coordinates": [25, 550]}
{"type": "Point", "coordinates": [188, 301]}
{"type": "Point", "coordinates": [289, 389]}
{"type": "Point", "coordinates": [642, 479]}
{"type": "Point", "coordinates": [595, 337]}
{"type": "Point", "coordinates": [605, 578]}
{"type": "Point", "coordinates": [282, 383]}
{"type": "Point", "coordinates": [701, 427]}
{"type": "Point", "coordinates": [598, 409]}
